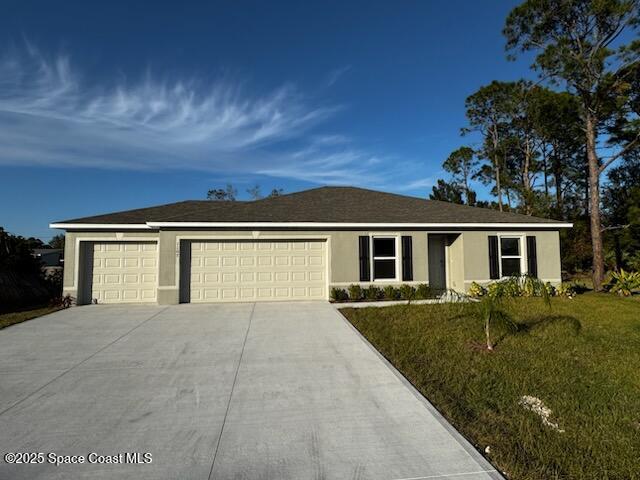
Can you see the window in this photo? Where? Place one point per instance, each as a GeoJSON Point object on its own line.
{"type": "Point", "coordinates": [510, 256]}
{"type": "Point", "coordinates": [385, 258]}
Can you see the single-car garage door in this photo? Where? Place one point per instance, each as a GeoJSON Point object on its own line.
{"type": "Point", "coordinates": [233, 271]}
{"type": "Point", "coordinates": [122, 272]}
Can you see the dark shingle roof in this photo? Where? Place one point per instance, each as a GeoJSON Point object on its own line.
{"type": "Point", "coordinates": [325, 205]}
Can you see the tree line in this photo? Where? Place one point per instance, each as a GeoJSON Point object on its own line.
{"type": "Point", "coordinates": [568, 145]}
{"type": "Point", "coordinates": [229, 193]}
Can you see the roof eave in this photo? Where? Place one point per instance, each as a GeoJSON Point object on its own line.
{"type": "Point", "coordinates": [361, 224]}
{"type": "Point", "coordinates": [101, 226]}
{"type": "Point", "coordinates": [156, 225]}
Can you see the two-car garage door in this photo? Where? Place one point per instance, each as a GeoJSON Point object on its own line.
{"type": "Point", "coordinates": [236, 271]}
{"type": "Point", "coordinates": [210, 271]}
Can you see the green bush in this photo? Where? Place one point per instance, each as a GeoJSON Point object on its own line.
{"type": "Point", "coordinates": [623, 283]}
{"type": "Point", "coordinates": [391, 293]}
{"type": "Point", "coordinates": [566, 290]}
{"type": "Point", "coordinates": [339, 294]}
{"type": "Point", "coordinates": [531, 286]}
{"type": "Point", "coordinates": [522, 286]}
{"type": "Point", "coordinates": [551, 290]}
{"type": "Point", "coordinates": [407, 292]}
{"type": "Point", "coordinates": [476, 290]}
{"type": "Point", "coordinates": [495, 289]}
{"type": "Point", "coordinates": [372, 293]}
{"type": "Point", "coordinates": [355, 293]}
{"type": "Point", "coordinates": [423, 291]}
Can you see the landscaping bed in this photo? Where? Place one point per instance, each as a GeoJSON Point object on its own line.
{"type": "Point", "coordinates": [7, 319]}
{"type": "Point", "coordinates": [556, 398]}
{"type": "Point", "coordinates": [387, 293]}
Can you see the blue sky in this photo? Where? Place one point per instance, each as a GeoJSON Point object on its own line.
{"type": "Point", "coordinates": [107, 106]}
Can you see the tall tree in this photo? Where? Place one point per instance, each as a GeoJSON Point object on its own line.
{"type": "Point", "coordinates": [446, 192]}
{"type": "Point", "coordinates": [462, 164]}
{"type": "Point", "coordinates": [254, 192]}
{"type": "Point", "coordinates": [275, 192]}
{"type": "Point", "coordinates": [16, 253]}
{"type": "Point", "coordinates": [621, 206]}
{"type": "Point", "coordinates": [227, 194]}
{"type": "Point", "coordinates": [487, 111]}
{"type": "Point", "coordinates": [57, 241]}
{"type": "Point", "coordinates": [558, 125]}
{"type": "Point", "coordinates": [574, 41]}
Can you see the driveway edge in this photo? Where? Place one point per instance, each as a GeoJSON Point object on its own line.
{"type": "Point", "coordinates": [491, 469]}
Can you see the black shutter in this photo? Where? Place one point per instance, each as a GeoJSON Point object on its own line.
{"type": "Point", "coordinates": [532, 257]}
{"type": "Point", "coordinates": [494, 268]}
{"type": "Point", "coordinates": [185, 271]}
{"type": "Point", "coordinates": [407, 259]}
{"type": "Point", "coordinates": [365, 271]}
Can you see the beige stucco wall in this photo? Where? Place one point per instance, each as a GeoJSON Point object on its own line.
{"type": "Point", "coordinates": [467, 254]}
{"type": "Point", "coordinates": [342, 250]}
{"type": "Point", "coordinates": [476, 248]}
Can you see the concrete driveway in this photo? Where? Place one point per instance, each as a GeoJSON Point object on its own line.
{"type": "Point", "coordinates": [236, 391]}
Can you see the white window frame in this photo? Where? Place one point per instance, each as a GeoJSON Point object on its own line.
{"type": "Point", "coordinates": [372, 258]}
{"type": "Point", "coordinates": [522, 256]}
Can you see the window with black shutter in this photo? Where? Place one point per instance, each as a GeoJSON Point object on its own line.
{"type": "Point", "coordinates": [407, 259]}
{"type": "Point", "coordinates": [365, 270]}
{"type": "Point", "coordinates": [532, 257]}
{"type": "Point", "coordinates": [494, 267]}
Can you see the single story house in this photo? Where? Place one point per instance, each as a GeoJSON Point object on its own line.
{"type": "Point", "coordinates": [51, 259]}
{"type": "Point", "coordinates": [298, 246]}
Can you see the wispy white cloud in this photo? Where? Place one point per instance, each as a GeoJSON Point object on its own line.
{"type": "Point", "coordinates": [336, 74]}
{"type": "Point", "coordinates": [51, 116]}
{"type": "Point", "coordinates": [418, 184]}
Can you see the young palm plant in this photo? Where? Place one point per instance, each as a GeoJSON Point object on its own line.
{"type": "Point", "coordinates": [492, 306]}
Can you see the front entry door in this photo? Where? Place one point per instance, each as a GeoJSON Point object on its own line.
{"type": "Point", "coordinates": [437, 259]}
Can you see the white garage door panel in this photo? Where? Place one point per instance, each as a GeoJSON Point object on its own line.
{"type": "Point", "coordinates": [235, 271]}
{"type": "Point", "coordinates": [124, 272]}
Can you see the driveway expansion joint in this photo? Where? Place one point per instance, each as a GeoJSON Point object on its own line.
{"type": "Point", "coordinates": [233, 385]}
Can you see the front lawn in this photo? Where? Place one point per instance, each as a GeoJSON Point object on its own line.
{"type": "Point", "coordinates": [12, 318]}
{"type": "Point", "coordinates": [581, 358]}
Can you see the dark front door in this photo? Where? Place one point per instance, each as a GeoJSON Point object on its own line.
{"type": "Point", "coordinates": [437, 268]}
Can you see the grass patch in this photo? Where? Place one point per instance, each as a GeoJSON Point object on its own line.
{"type": "Point", "coordinates": [581, 358]}
{"type": "Point", "coordinates": [7, 319]}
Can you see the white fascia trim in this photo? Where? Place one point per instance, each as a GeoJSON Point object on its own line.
{"type": "Point", "coordinates": [402, 226]}
{"type": "Point", "coordinates": [101, 226]}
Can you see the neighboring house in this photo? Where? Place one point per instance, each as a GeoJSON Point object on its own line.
{"type": "Point", "coordinates": [299, 246]}
{"type": "Point", "coordinates": [51, 259]}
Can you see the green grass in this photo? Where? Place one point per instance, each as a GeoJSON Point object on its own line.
{"type": "Point", "coordinates": [12, 318]}
{"type": "Point", "coordinates": [581, 357]}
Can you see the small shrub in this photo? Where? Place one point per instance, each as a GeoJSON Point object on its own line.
{"type": "Point", "coordinates": [566, 290]}
{"type": "Point", "coordinates": [476, 290]}
{"type": "Point", "coordinates": [551, 290]}
{"type": "Point", "coordinates": [507, 288]}
{"type": "Point", "coordinates": [63, 302]}
{"type": "Point", "coordinates": [513, 287]}
{"type": "Point", "coordinates": [423, 291]}
{"type": "Point", "coordinates": [494, 289]}
{"type": "Point", "coordinates": [372, 293]}
{"type": "Point", "coordinates": [339, 294]}
{"type": "Point", "coordinates": [391, 293]}
{"type": "Point", "coordinates": [407, 292]}
{"type": "Point", "coordinates": [623, 283]}
{"type": "Point", "coordinates": [355, 293]}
